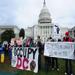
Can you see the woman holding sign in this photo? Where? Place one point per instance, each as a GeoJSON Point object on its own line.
{"type": "Point", "coordinates": [67, 39]}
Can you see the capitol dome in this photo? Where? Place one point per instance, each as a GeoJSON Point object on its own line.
{"type": "Point", "coordinates": [45, 16]}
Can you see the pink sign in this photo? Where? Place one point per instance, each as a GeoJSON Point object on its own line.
{"type": "Point", "coordinates": [19, 41]}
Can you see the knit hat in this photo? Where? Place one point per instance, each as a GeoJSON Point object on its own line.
{"type": "Point", "coordinates": [67, 33]}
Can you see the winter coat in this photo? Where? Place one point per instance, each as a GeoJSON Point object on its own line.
{"type": "Point", "coordinates": [68, 40]}
{"type": "Point", "coordinates": [39, 44]}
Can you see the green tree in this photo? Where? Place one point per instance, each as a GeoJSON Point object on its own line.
{"type": "Point", "coordinates": [7, 35]}
{"type": "Point", "coordinates": [22, 33]}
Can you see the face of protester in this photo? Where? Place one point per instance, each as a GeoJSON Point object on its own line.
{"type": "Point", "coordinates": [14, 42]}
{"type": "Point", "coordinates": [37, 38]}
{"type": "Point", "coordinates": [66, 36]}
{"type": "Point", "coordinates": [24, 44]}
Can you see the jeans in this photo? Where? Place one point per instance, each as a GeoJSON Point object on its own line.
{"type": "Point", "coordinates": [47, 66]}
{"type": "Point", "coordinates": [70, 64]}
{"type": "Point", "coordinates": [54, 63]}
{"type": "Point", "coordinates": [10, 54]}
{"type": "Point", "coordinates": [39, 61]}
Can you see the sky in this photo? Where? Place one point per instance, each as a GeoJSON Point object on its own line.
{"type": "Point", "coordinates": [25, 13]}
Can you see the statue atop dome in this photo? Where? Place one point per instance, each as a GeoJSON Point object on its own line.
{"type": "Point", "coordinates": [44, 3]}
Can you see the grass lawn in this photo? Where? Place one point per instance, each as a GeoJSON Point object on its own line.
{"type": "Point", "coordinates": [6, 66]}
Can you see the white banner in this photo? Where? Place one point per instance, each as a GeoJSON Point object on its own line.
{"type": "Point", "coordinates": [56, 31]}
{"type": "Point", "coordinates": [59, 50]}
{"type": "Point", "coordinates": [25, 59]}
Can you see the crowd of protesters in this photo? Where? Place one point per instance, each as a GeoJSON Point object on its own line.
{"type": "Point", "coordinates": [6, 49]}
{"type": "Point", "coordinates": [48, 60]}
{"type": "Point", "coordinates": [51, 61]}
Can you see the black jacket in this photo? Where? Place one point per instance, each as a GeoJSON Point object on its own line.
{"type": "Point", "coordinates": [39, 44]}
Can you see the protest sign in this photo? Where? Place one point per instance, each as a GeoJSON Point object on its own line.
{"type": "Point", "coordinates": [18, 40]}
{"type": "Point", "coordinates": [5, 43]}
{"type": "Point", "coordinates": [59, 50]}
{"type": "Point", "coordinates": [56, 31]}
{"type": "Point", "coordinates": [25, 59]}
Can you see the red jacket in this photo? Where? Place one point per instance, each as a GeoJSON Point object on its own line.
{"type": "Point", "coordinates": [69, 40]}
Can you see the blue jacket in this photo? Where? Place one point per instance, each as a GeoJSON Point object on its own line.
{"type": "Point", "coordinates": [2, 49]}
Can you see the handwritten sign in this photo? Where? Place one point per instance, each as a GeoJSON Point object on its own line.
{"type": "Point", "coordinates": [25, 59]}
{"type": "Point", "coordinates": [59, 49]}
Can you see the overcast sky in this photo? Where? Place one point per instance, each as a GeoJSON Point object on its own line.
{"type": "Point", "coordinates": [25, 13]}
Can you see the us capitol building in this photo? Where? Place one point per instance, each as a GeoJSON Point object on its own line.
{"type": "Point", "coordinates": [45, 27]}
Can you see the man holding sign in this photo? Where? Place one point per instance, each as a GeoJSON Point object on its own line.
{"type": "Point", "coordinates": [67, 39]}
{"type": "Point", "coordinates": [39, 46]}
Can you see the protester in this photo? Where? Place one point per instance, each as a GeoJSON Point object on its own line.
{"type": "Point", "coordinates": [67, 39]}
{"type": "Point", "coordinates": [0, 50]}
{"type": "Point", "coordinates": [74, 45]}
{"type": "Point", "coordinates": [24, 45]}
{"type": "Point", "coordinates": [33, 45]}
{"type": "Point", "coordinates": [20, 45]}
{"type": "Point", "coordinates": [15, 44]}
{"type": "Point", "coordinates": [10, 52]}
{"type": "Point", "coordinates": [2, 53]}
{"type": "Point", "coordinates": [50, 39]}
{"type": "Point", "coordinates": [7, 46]}
{"type": "Point", "coordinates": [63, 39]}
{"type": "Point", "coordinates": [47, 60]}
{"type": "Point", "coordinates": [39, 46]}
{"type": "Point", "coordinates": [56, 59]}
{"type": "Point", "coordinates": [3, 48]}
{"type": "Point", "coordinates": [59, 40]}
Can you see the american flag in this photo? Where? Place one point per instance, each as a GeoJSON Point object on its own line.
{"type": "Point", "coordinates": [45, 19]}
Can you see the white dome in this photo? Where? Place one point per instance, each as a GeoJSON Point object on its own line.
{"type": "Point", "coordinates": [44, 9]}
{"type": "Point", "coordinates": [44, 16]}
